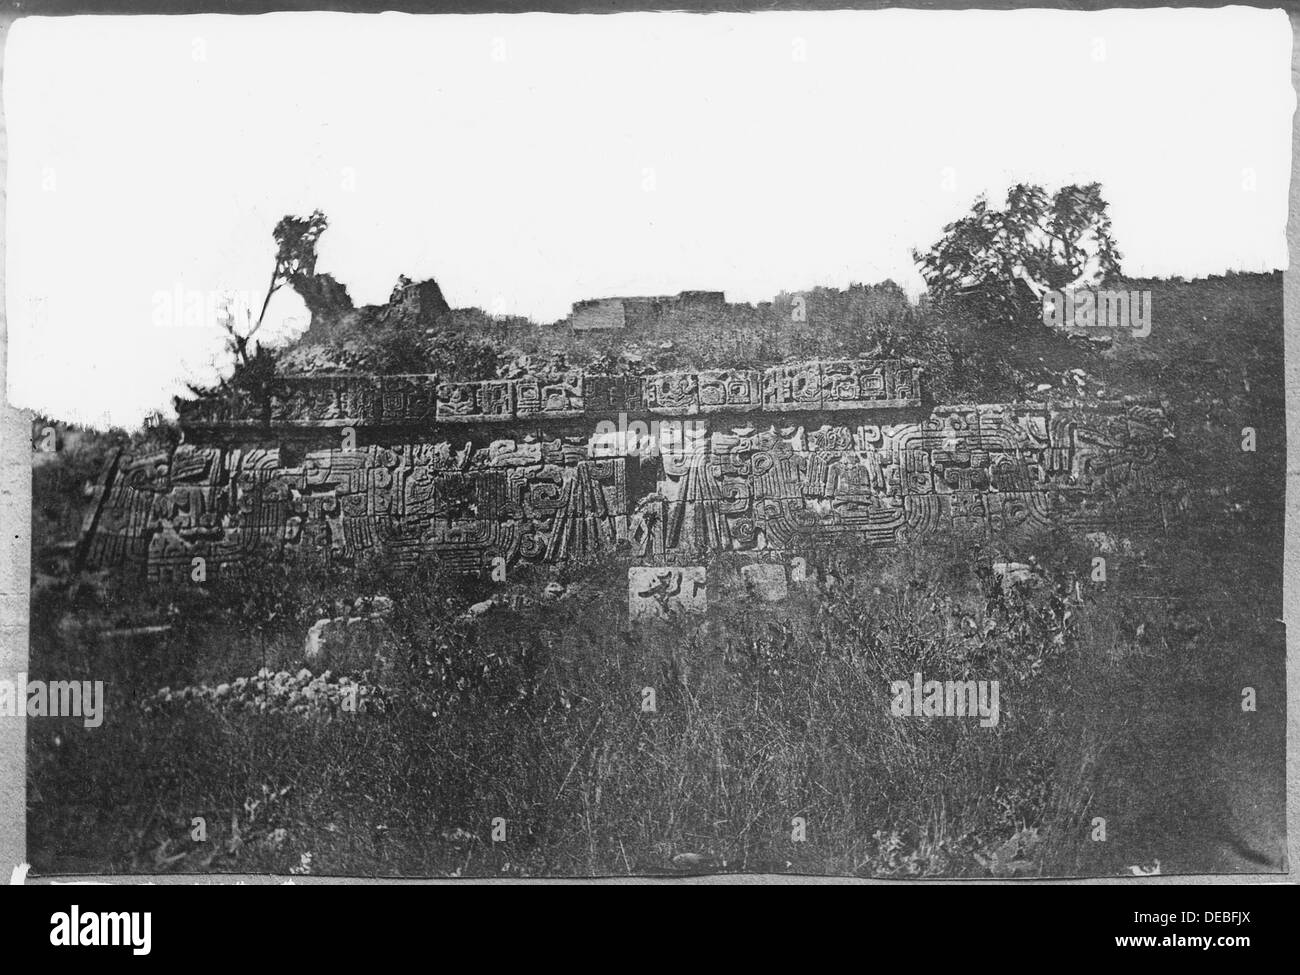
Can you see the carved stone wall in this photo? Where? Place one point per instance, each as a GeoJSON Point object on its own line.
{"type": "Point", "coordinates": [468, 473]}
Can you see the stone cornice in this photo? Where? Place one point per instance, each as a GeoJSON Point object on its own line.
{"type": "Point", "coordinates": [340, 400]}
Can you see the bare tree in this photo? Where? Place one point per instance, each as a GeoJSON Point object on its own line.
{"type": "Point", "coordinates": [295, 256]}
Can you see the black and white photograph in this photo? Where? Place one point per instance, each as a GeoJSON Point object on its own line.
{"type": "Point", "coordinates": [776, 444]}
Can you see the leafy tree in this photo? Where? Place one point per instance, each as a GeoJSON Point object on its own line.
{"type": "Point", "coordinates": [999, 263]}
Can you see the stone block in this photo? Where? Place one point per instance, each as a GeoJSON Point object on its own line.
{"type": "Point", "coordinates": [665, 592]}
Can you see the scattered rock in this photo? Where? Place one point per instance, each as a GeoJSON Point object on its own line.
{"type": "Point", "coordinates": [1015, 572]}
{"type": "Point", "coordinates": [1014, 858]}
{"type": "Point", "coordinates": [302, 693]}
{"type": "Point", "coordinates": [1104, 542]}
{"type": "Point", "coordinates": [347, 643]}
{"type": "Point", "coordinates": [131, 632]}
{"type": "Point", "coordinates": [694, 862]}
{"type": "Point", "coordinates": [373, 606]}
{"type": "Point", "coordinates": [272, 841]}
{"type": "Point", "coordinates": [313, 648]}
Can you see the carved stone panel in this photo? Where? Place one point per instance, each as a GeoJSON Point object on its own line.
{"type": "Point", "coordinates": [672, 393]}
{"type": "Point", "coordinates": [665, 592]}
{"type": "Point", "coordinates": [476, 401]}
{"type": "Point", "coordinates": [793, 387]}
{"type": "Point", "coordinates": [442, 487]}
{"type": "Point", "coordinates": [730, 391]}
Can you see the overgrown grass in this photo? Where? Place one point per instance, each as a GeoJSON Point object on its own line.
{"type": "Point", "coordinates": [764, 712]}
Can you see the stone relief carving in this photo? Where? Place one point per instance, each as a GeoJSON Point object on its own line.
{"type": "Point", "coordinates": [664, 592]}
{"type": "Point", "coordinates": [765, 476]}
{"type": "Point", "coordinates": [341, 400]}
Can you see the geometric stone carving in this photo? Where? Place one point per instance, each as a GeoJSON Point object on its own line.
{"type": "Point", "coordinates": [492, 399]}
{"type": "Point", "coordinates": [854, 384]}
{"type": "Point", "coordinates": [550, 396]}
{"type": "Point", "coordinates": [793, 387]}
{"type": "Point", "coordinates": [673, 393]}
{"type": "Point", "coordinates": [730, 390]}
{"type": "Point", "coordinates": [395, 401]}
{"type": "Point", "coordinates": [665, 592]}
{"type": "Point", "coordinates": [795, 455]}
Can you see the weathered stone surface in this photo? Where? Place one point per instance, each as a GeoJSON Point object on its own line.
{"type": "Point", "coordinates": [550, 397]}
{"type": "Point", "coordinates": [793, 387]}
{"type": "Point", "coordinates": [329, 401]}
{"type": "Point", "coordinates": [348, 643]}
{"type": "Point", "coordinates": [801, 454]}
{"type": "Point", "coordinates": [369, 401]}
{"type": "Point", "coordinates": [730, 391]}
{"type": "Point", "coordinates": [854, 384]}
{"type": "Point", "coordinates": [665, 592]}
{"type": "Point", "coordinates": [476, 401]}
{"type": "Point", "coordinates": [673, 393]}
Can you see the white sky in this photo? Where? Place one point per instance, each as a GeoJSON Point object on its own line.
{"type": "Point", "coordinates": [531, 161]}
